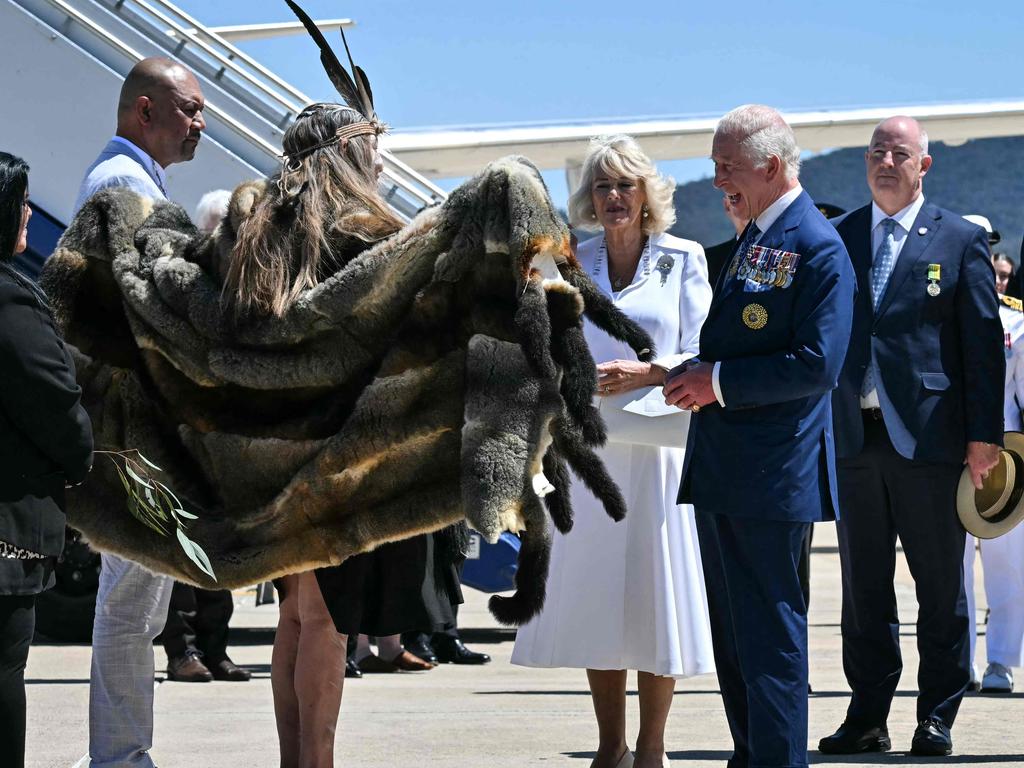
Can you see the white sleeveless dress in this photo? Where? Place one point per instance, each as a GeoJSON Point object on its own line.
{"type": "Point", "coordinates": [630, 595]}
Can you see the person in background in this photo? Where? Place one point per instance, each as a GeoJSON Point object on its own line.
{"type": "Point", "coordinates": [719, 255]}
{"type": "Point", "coordinates": [1002, 558]}
{"type": "Point", "coordinates": [920, 395]}
{"type": "Point", "coordinates": [644, 607]}
{"type": "Point", "coordinates": [195, 636]}
{"type": "Point", "coordinates": [441, 643]}
{"type": "Point", "coordinates": [159, 123]}
{"type": "Point", "coordinates": [211, 209]}
{"type": "Point", "coordinates": [1006, 271]}
{"type": "Point", "coordinates": [45, 444]}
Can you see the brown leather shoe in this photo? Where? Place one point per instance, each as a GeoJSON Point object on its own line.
{"type": "Point", "coordinates": [375, 664]}
{"type": "Point", "coordinates": [188, 669]}
{"type": "Point", "coordinates": [407, 662]}
{"type": "Point", "coordinates": [228, 670]}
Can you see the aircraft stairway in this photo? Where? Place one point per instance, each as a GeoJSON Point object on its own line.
{"type": "Point", "coordinates": [69, 59]}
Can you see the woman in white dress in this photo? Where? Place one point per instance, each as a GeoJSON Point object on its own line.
{"type": "Point", "coordinates": [630, 595]}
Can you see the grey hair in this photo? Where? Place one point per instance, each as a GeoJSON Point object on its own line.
{"type": "Point", "coordinates": [620, 157]}
{"type": "Point", "coordinates": [762, 133]}
{"type": "Point", "coordinates": [211, 209]}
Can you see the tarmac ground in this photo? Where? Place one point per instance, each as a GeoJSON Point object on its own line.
{"type": "Point", "coordinates": [497, 715]}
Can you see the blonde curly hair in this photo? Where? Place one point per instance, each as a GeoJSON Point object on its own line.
{"type": "Point", "coordinates": [620, 157]}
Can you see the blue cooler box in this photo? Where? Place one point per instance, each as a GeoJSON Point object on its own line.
{"type": "Point", "coordinates": [491, 567]}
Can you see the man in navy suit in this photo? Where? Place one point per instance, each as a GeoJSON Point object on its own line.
{"type": "Point", "coordinates": [920, 395]}
{"type": "Point", "coordinates": [760, 464]}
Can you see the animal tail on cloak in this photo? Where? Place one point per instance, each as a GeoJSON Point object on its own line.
{"type": "Point", "coordinates": [443, 375]}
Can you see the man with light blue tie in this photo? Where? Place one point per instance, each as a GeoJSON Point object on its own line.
{"type": "Point", "coordinates": [159, 122]}
{"type": "Point", "coordinates": [919, 396]}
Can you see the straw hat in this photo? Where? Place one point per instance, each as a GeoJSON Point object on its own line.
{"type": "Point", "coordinates": [999, 505]}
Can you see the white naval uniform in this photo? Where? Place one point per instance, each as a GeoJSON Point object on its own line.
{"type": "Point", "coordinates": [1002, 559]}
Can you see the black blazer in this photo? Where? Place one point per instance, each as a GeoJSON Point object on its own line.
{"type": "Point", "coordinates": [940, 357]}
{"type": "Point", "coordinates": [718, 256]}
{"type": "Point", "coordinates": [45, 434]}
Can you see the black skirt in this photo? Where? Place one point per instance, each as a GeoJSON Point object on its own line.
{"type": "Point", "coordinates": [396, 588]}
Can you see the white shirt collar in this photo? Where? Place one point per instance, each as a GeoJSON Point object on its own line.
{"type": "Point", "coordinates": [771, 214]}
{"type": "Point", "coordinates": [152, 164]}
{"type": "Point", "coordinates": [905, 218]}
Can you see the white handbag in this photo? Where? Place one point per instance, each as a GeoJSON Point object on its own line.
{"type": "Point", "coordinates": [641, 417]}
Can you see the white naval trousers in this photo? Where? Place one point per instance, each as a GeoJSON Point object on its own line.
{"type": "Point", "coordinates": [1002, 563]}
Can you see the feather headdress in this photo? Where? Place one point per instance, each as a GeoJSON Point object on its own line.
{"type": "Point", "coordinates": [354, 89]}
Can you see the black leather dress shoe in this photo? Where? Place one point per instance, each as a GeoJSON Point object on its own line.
{"type": "Point", "coordinates": [453, 651]}
{"type": "Point", "coordinates": [853, 739]}
{"type": "Point", "coordinates": [931, 739]}
{"type": "Point", "coordinates": [352, 669]}
{"type": "Point", "coordinates": [422, 649]}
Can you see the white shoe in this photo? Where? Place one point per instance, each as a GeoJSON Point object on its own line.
{"type": "Point", "coordinates": [626, 761]}
{"type": "Point", "coordinates": [997, 679]}
{"type": "Point", "coordinates": [975, 681]}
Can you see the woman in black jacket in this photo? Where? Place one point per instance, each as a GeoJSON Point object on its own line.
{"type": "Point", "coordinates": [45, 444]}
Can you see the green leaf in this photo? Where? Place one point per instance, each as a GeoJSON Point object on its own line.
{"type": "Point", "coordinates": [135, 476]}
{"type": "Point", "coordinates": [147, 461]}
{"type": "Point", "coordinates": [186, 515]}
{"type": "Point", "coordinates": [196, 554]}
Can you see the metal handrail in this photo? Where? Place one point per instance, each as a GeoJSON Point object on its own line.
{"type": "Point", "coordinates": [198, 29]}
{"type": "Point", "coordinates": [135, 56]}
{"type": "Point", "coordinates": [208, 49]}
{"type": "Point", "coordinates": [405, 176]}
{"type": "Point", "coordinates": [399, 174]}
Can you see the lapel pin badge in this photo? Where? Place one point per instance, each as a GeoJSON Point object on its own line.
{"type": "Point", "coordinates": [922, 230]}
{"type": "Point", "coordinates": [934, 276]}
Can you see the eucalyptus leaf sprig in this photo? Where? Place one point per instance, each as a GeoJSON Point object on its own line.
{"type": "Point", "coordinates": [154, 504]}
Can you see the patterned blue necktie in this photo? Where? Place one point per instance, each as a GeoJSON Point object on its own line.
{"type": "Point", "coordinates": [885, 258]}
{"type": "Point", "coordinates": [881, 269]}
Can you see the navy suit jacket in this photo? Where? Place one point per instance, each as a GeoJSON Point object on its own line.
{"type": "Point", "coordinates": [939, 358]}
{"type": "Point", "coordinates": [769, 452]}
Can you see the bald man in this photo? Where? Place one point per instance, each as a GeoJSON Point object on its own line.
{"type": "Point", "coordinates": [919, 396]}
{"type": "Point", "coordinates": [159, 122]}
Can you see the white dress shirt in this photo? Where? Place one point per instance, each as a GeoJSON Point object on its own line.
{"type": "Point", "coordinates": [904, 222]}
{"type": "Point", "coordinates": [763, 222]}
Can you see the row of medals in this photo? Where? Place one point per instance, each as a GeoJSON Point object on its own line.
{"type": "Point", "coordinates": [777, 273]}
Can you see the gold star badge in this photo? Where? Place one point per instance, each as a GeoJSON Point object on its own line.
{"type": "Point", "coordinates": [755, 317]}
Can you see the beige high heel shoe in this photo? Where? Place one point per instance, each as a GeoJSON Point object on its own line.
{"type": "Point", "coordinates": [626, 761]}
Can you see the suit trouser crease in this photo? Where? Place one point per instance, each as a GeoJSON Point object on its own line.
{"type": "Point", "coordinates": [884, 496]}
{"type": "Point", "coordinates": [759, 631]}
{"type": "Point", "coordinates": [131, 608]}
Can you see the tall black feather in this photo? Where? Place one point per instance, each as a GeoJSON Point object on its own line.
{"type": "Point", "coordinates": [348, 90]}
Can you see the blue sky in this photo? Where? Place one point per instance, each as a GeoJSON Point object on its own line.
{"type": "Point", "coordinates": [463, 63]}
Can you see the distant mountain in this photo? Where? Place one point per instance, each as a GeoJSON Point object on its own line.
{"type": "Point", "coordinates": [984, 176]}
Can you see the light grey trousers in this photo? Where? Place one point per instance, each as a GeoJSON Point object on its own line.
{"type": "Point", "coordinates": [131, 608]}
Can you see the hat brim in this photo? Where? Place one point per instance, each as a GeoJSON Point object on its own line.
{"type": "Point", "coordinates": [1012, 511]}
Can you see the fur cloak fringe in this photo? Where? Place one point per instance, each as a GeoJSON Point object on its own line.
{"type": "Point", "coordinates": [440, 376]}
